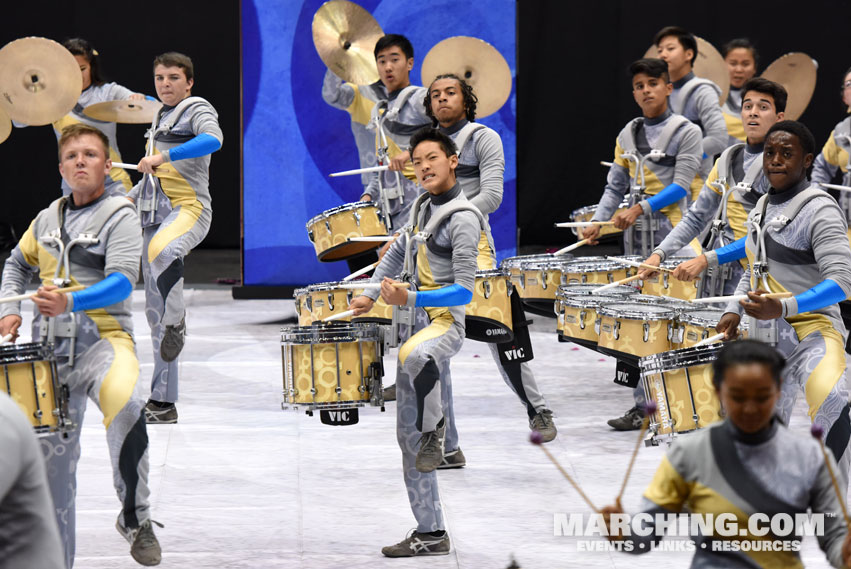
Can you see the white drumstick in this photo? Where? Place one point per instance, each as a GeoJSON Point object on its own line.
{"type": "Point", "coordinates": [367, 286]}
{"type": "Point", "coordinates": [6, 339]}
{"type": "Point", "coordinates": [737, 297]}
{"type": "Point", "coordinates": [835, 187]}
{"type": "Point", "coordinates": [638, 265]}
{"type": "Point", "coordinates": [360, 171]}
{"type": "Point", "coordinates": [606, 164]}
{"type": "Point", "coordinates": [372, 239]}
{"type": "Point", "coordinates": [616, 283]}
{"type": "Point", "coordinates": [125, 166]}
{"type": "Point", "coordinates": [710, 340]}
{"type": "Point", "coordinates": [21, 297]}
{"type": "Point", "coordinates": [570, 248]}
{"type": "Point", "coordinates": [339, 316]}
{"type": "Point", "coordinates": [360, 272]}
{"type": "Point", "coordinates": [582, 223]}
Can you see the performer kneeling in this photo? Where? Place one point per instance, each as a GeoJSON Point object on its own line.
{"type": "Point", "coordinates": [442, 262]}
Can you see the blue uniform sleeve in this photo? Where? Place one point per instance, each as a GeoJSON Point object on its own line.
{"type": "Point", "coordinates": [201, 145]}
{"type": "Point", "coordinates": [732, 252]}
{"type": "Point", "coordinates": [823, 294]}
{"type": "Point", "coordinates": [114, 288]}
{"type": "Point", "coordinates": [452, 295]}
{"type": "Point", "coordinates": [671, 194]}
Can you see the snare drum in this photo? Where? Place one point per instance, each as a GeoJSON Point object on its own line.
{"type": "Point", "coordinates": [596, 272]}
{"type": "Point", "coordinates": [576, 311]}
{"type": "Point", "coordinates": [319, 301]}
{"type": "Point", "coordinates": [331, 366]}
{"type": "Point", "coordinates": [31, 380]}
{"type": "Point", "coordinates": [587, 212]}
{"type": "Point", "coordinates": [680, 382]}
{"type": "Point", "coordinates": [331, 230]}
{"type": "Point", "coordinates": [631, 330]}
{"type": "Point", "coordinates": [536, 279]}
{"type": "Point", "coordinates": [698, 324]}
{"type": "Point", "coordinates": [664, 284]}
{"type": "Point", "coordinates": [489, 313]}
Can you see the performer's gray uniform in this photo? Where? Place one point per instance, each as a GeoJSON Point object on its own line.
{"type": "Point", "coordinates": [175, 211]}
{"type": "Point", "coordinates": [448, 258]}
{"type": "Point", "coordinates": [835, 157]}
{"type": "Point", "coordinates": [105, 368]}
{"type": "Point", "coordinates": [696, 99]}
{"type": "Point", "coordinates": [29, 537]}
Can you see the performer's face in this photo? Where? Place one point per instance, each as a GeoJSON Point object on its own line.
{"type": "Point", "coordinates": [447, 101]}
{"type": "Point", "coordinates": [846, 90]}
{"type": "Point", "coordinates": [758, 114]}
{"type": "Point", "coordinates": [671, 51]}
{"type": "Point", "coordinates": [651, 94]}
{"type": "Point", "coordinates": [748, 394]}
{"type": "Point", "coordinates": [85, 70]}
{"type": "Point", "coordinates": [84, 163]}
{"type": "Point", "coordinates": [741, 65]}
{"type": "Point", "coordinates": [435, 170]}
{"type": "Point", "coordinates": [784, 161]}
{"type": "Point", "coordinates": [171, 84]}
{"type": "Point", "coordinates": [393, 68]}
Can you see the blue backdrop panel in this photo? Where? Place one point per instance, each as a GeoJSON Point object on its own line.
{"type": "Point", "coordinates": [292, 140]}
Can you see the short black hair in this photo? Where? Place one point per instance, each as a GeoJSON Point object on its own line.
{"type": "Point", "coordinates": [805, 137]}
{"type": "Point", "coordinates": [686, 39]}
{"type": "Point", "coordinates": [768, 87]}
{"type": "Point", "coordinates": [394, 40]}
{"type": "Point", "coordinates": [741, 43]}
{"type": "Point", "coordinates": [467, 95]}
{"type": "Point", "coordinates": [84, 48]}
{"type": "Point", "coordinates": [650, 66]}
{"type": "Point", "coordinates": [743, 352]}
{"type": "Point", "coordinates": [432, 134]}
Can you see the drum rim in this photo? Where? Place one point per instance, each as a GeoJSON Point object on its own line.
{"type": "Point", "coordinates": [341, 208]}
{"type": "Point", "coordinates": [563, 291]}
{"type": "Point", "coordinates": [661, 362]}
{"type": "Point", "coordinates": [498, 272]}
{"type": "Point", "coordinates": [14, 353]}
{"type": "Point", "coordinates": [608, 264]}
{"type": "Point", "coordinates": [593, 207]}
{"type": "Point", "coordinates": [330, 334]}
{"type": "Point", "coordinates": [608, 310]}
{"type": "Point", "coordinates": [692, 318]}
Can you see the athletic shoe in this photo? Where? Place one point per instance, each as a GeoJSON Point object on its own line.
{"type": "Point", "coordinates": [144, 546]}
{"type": "Point", "coordinates": [631, 420]}
{"type": "Point", "coordinates": [430, 454]}
{"type": "Point", "coordinates": [453, 459]}
{"type": "Point", "coordinates": [156, 414]}
{"type": "Point", "coordinates": [390, 393]}
{"type": "Point", "coordinates": [543, 423]}
{"type": "Point", "coordinates": [417, 544]}
{"type": "Point", "coordinates": [172, 342]}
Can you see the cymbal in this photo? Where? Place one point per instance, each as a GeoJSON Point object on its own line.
{"type": "Point", "coordinates": [477, 62]}
{"type": "Point", "coordinates": [797, 73]}
{"type": "Point", "coordinates": [345, 35]}
{"type": "Point", "coordinates": [40, 81]}
{"type": "Point", "coordinates": [5, 126]}
{"type": "Point", "coordinates": [709, 65]}
{"type": "Point", "coordinates": [142, 111]}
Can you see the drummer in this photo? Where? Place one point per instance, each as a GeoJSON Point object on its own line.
{"type": "Point", "coordinates": [96, 90]}
{"type": "Point", "coordinates": [741, 58]}
{"type": "Point", "coordinates": [835, 155]}
{"type": "Point", "coordinates": [806, 252]}
{"type": "Point", "coordinates": [739, 167]}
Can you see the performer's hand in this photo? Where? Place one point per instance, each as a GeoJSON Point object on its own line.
{"type": "Point", "coordinates": [9, 324]}
{"type": "Point", "coordinates": [366, 198]}
{"type": "Point", "coordinates": [50, 303]}
{"type": "Point", "coordinates": [729, 325]}
{"type": "Point", "coordinates": [692, 269]}
{"type": "Point", "coordinates": [386, 247]}
{"type": "Point", "coordinates": [393, 295]}
{"type": "Point", "coordinates": [148, 164]}
{"type": "Point", "coordinates": [624, 219]}
{"type": "Point", "coordinates": [136, 97]}
{"type": "Point", "coordinates": [607, 512]}
{"type": "Point", "coordinates": [760, 307]}
{"type": "Point", "coordinates": [361, 305]}
{"type": "Point", "coordinates": [591, 232]}
{"type": "Point", "coordinates": [654, 260]}
{"type": "Point", "coordinates": [397, 163]}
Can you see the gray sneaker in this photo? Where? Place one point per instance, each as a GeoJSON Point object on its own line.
{"type": "Point", "coordinates": [172, 342]}
{"type": "Point", "coordinates": [430, 454]}
{"type": "Point", "coordinates": [417, 544]}
{"type": "Point", "coordinates": [158, 415]}
{"type": "Point", "coordinates": [390, 393]}
{"type": "Point", "coordinates": [543, 423]}
{"type": "Point", "coordinates": [631, 420]}
{"type": "Point", "coordinates": [144, 546]}
{"type": "Point", "coordinates": [453, 459]}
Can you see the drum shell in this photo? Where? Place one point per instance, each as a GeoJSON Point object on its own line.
{"type": "Point", "coordinates": [578, 323]}
{"type": "Point", "coordinates": [664, 284]}
{"type": "Point", "coordinates": [319, 301]}
{"type": "Point", "coordinates": [596, 272]}
{"type": "Point", "coordinates": [488, 315]}
{"type": "Point", "coordinates": [331, 230]}
{"type": "Point", "coordinates": [31, 379]}
{"type": "Point", "coordinates": [632, 331]}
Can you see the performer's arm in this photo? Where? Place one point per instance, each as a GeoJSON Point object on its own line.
{"type": "Point", "coordinates": [491, 171]}
{"type": "Point", "coordinates": [19, 270]}
{"type": "Point", "coordinates": [391, 265]}
{"type": "Point", "coordinates": [337, 92]}
{"type": "Point", "coordinates": [728, 253]}
{"type": "Point", "coordinates": [712, 118]}
{"type": "Point", "coordinates": [698, 217]}
{"type": "Point", "coordinates": [827, 162]}
{"type": "Point", "coordinates": [617, 186]}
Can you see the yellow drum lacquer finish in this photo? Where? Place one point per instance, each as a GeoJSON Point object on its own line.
{"type": "Point", "coordinates": [28, 374]}
{"type": "Point", "coordinates": [488, 315]}
{"type": "Point", "coordinates": [664, 284]}
{"type": "Point", "coordinates": [576, 309]}
{"type": "Point", "coordinates": [587, 212]}
{"type": "Point", "coordinates": [635, 330]}
{"type": "Point", "coordinates": [319, 301]}
{"type": "Point", "coordinates": [331, 230]}
{"type": "Point", "coordinates": [536, 277]}
{"type": "Point", "coordinates": [596, 272]}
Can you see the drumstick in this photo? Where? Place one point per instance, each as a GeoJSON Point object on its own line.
{"type": "Point", "coordinates": [606, 164]}
{"type": "Point", "coordinates": [639, 265]}
{"type": "Point", "coordinates": [359, 272]}
{"type": "Point", "coordinates": [649, 409]}
{"type": "Point", "coordinates": [817, 432]}
{"type": "Point", "coordinates": [125, 166]}
{"type": "Point", "coordinates": [710, 340]}
{"type": "Point", "coordinates": [339, 316]}
{"type": "Point", "coordinates": [570, 248]}
{"type": "Point", "coordinates": [5, 339]}
{"type": "Point", "coordinates": [835, 187]}
{"type": "Point", "coordinates": [733, 297]}
{"type": "Point", "coordinates": [21, 297]}
{"type": "Point", "coordinates": [370, 285]}
{"type": "Point", "coordinates": [617, 283]}
{"type": "Point", "coordinates": [582, 223]}
{"type": "Point", "coordinates": [535, 439]}
{"type": "Point", "coordinates": [375, 238]}
{"type": "Point", "coordinates": [360, 171]}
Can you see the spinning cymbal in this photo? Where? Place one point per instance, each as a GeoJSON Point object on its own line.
{"type": "Point", "coordinates": [5, 126]}
{"type": "Point", "coordinates": [797, 73]}
{"type": "Point", "coordinates": [142, 111]}
{"type": "Point", "coordinates": [345, 35]}
{"type": "Point", "coordinates": [40, 81]}
{"type": "Point", "coordinates": [478, 63]}
{"type": "Point", "coordinates": [708, 64]}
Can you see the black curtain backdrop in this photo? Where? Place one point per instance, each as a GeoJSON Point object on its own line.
{"type": "Point", "coordinates": [128, 35]}
{"type": "Point", "coordinates": [574, 94]}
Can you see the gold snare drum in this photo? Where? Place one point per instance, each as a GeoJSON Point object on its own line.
{"type": "Point", "coordinates": [587, 213]}
{"type": "Point", "coordinates": [319, 301]}
{"type": "Point", "coordinates": [664, 284]}
{"type": "Point", "coordinates": [331, 230]}
{"type": "Point", "coordinates": [489, 313]}
{"type": "Point", "coordinates": [576, 311]}
{"type": "Point", "coordinates": [596, 272]}
{"type": "Point", "coordinates": [632, 330]}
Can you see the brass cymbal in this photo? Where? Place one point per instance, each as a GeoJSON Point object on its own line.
{"type": "Point", "coordinates": [797, 73]}
{"type": "Point", "coordinates": [40, 81]}
{"type": "Point", "coordinates": [709, 64]}
{"type": "Point", "coordinates": [140, 111]}
{"type": "Point", "coordinates": [5, 126]}
{"type": "Point", "coordinates": [477, 62]}
{"type": "Point", "coordinates": [345, 35]}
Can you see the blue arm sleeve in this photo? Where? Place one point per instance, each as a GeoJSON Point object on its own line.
{"type": "Point", "coordinates": [149, 98]}
{"type": "Point", "coordinates": [452, 295]}
{"type": "Point", "coordinates": [671, 194]}
{"type": "Point", "coordinates": [732, 252]}
{"type": "Point", "coordinates": [823, 294]}
{"type": "Point", "coordinates": [201, 145]}
{"type": "Point", "coordinates": [114, 288]}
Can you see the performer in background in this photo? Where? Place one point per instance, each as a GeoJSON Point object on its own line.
{"type": "Point", "coordinates": [741, 58]}
{"type": "Point", "coordinates": [175, 208]}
